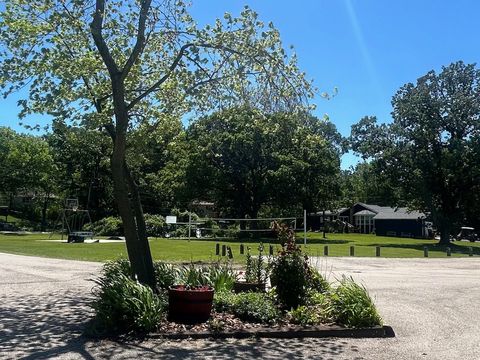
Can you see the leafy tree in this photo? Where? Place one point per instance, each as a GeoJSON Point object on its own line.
{"type": "Point", "coordinates": [368, 183]}
{"type": "Point", "coordinates": [246, 159]}
{"type": "Point", "coordinates": [26, 165]}
{"type": "Point", "coordinates": [119, 63]}
{"type": "Point", "coordinates": [432, 148]}
{"type": "Point", "coordinates": [82, 159]}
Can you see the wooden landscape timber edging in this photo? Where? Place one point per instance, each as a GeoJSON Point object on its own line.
{"type": "Point", "coordinates": [291, 332]}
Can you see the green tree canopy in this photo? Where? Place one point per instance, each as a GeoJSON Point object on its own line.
{"type": "Point", "coordinates": [432, 148]}
{"type": "Point", "coordinates": [244, 160]}
{"type": "Point", "coordinates": [120, 63]}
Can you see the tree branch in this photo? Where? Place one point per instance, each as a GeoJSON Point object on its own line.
{"type": "Point", "coordinates": [96, 29]}
{"type": "Point", "coordinates": [140, 42]}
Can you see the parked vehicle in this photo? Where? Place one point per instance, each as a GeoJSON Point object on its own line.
{"type": "Point", "coordinates": [467, 233]}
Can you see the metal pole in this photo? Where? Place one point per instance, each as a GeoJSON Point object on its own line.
{"type": "Point", "coordinates": [304, 227]}
{"type": "Point", "coordinates": [189, 224]}
{"type": "Point", "coordinates": [323, 221]}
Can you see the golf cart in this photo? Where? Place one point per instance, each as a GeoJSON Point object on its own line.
{"type": "Point", "coordinates": [467, 233]}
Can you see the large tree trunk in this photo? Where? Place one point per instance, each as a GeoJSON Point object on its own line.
{"type": "Point", "coordinates": [44, 213]}
{"type": "Point", "coordinates": [136, 241]}
{"type": "Point", "coordinates": [130, 210]}
{"type": "Point", "coordinates": [444, 233]}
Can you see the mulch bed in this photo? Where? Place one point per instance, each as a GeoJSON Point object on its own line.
{"type": "Point", "coordinates": [223, 325]}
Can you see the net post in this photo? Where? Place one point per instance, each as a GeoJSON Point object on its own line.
{"type": "Point", "coordinates": [189, 224]}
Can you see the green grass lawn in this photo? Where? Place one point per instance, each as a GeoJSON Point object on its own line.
{"type": "Point", "coordinates": [204, 250]}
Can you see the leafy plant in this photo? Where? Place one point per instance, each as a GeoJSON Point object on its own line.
{"type": "Point", "coordinates": [224, 301]}
{"type": "Point", "coordinates": [221, 276]}
{"type": "Point", "coordinates": [192, 276]}
{"type": "Point", "coordinates": [304, 315]}
{"type": "Point", "coordinates": [316, 281]}
{"type": "Point", "coordinates": [122, 304]}
{"type": "Point", "coordinates": [255, 268]}
{"type": "Point", "coordinates": [165, 275]}
{"type": "Point", "coordinates": [257, 307]}
{"type": "Point", "coordinates": [290, 270]}
{"type": "Point", "coordinates": [352, 306]}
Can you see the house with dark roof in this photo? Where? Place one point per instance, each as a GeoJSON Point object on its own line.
{"type": "Point", "coordinates": [383, 220]}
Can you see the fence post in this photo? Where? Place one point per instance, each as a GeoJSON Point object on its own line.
{"type": "Point", "coordinates": [377, 251]}
{"type": "Point", "coordinates": [229, 251]}
{"type": "Point", "coordinates": [217, 249]}
{"type": "Point", "coordinates": [425, 251]}
{"type": "Point", "coordinates": [224, 250]}
{"type": "Point", "coordinates": [271, 250]}
{"type": "Point", "coordinates": [352, 250]}
{"type": "Point", "coordinates": [449, 251]}
{"type": "Point", "coordinates": [325, 250]}
{"type": "Point", "coordinates": [470, 251]}
{"type": "Point", "coordinates": [242, 249]}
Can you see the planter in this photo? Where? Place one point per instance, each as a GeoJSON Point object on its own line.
{"type": "Point", "coordinates": [189, 305]}
{"type": "Point", "coordinates": [242, 286]}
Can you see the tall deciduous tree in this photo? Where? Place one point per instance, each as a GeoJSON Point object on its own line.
{"type": "Point", "coordinates": [114, 64]}
{"type": "Point", "coordinates": [432, 149]}
{"type": "Point", "coordinates": [245, 159]}
{"type": "Point", "coordinates": [26, 165]}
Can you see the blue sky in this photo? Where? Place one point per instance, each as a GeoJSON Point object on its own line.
{"type": "Point", "coordinates": [365, 48]}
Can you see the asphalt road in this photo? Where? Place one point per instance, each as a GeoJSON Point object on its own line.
{"type": "Point", "coordinates": [432, 304]}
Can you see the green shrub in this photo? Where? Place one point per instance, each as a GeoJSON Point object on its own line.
{"type": "Point", "coordinates": [155, 225]}
{"type": "Point", "coordinates": [165, 275]}
{"type": "Point", "coordinates": [256, 307]}
{"type": "Point", "coordinates": [352, 306]}
{"type": "Point", "coordinates": [305, 315]}
{"type": "Point", "coordinates": [224, 301]}
{"type": "Point", "coordinates": [124, 305]}
{"type": "Point", "coordinates": [289, 270]}
{"type": "Point", "coordinates": [109, 226]}
{"type": "Point", "coordinates": [317, 282]}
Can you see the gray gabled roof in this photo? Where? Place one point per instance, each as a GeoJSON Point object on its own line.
{"type": "Point", "coordinates": [389, 213]}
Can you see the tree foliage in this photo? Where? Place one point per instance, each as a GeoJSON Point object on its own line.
{"type": "Point", "coordinates": [244, 160]}
{"type": "Point", "coordinates": [120, 64]}
{"type": "Point", "coordinates": [432, 148]}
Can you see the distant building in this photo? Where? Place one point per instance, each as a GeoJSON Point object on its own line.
{"type": "Point", "coordinates": [381, 220]}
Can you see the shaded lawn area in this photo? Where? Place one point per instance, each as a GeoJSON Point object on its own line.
{"type": "Point", "coordinates": [180, 250]}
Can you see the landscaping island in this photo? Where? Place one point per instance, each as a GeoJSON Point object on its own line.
{"type": "Point", "coordinates": [200, 301]}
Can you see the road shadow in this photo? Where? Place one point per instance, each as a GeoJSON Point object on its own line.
{"type": "Point", "coordinates": [51, 325]}
{"type": "Point", "coordinates": [322, 349]}
{"type": "Point", "coordinates": [43, 326]}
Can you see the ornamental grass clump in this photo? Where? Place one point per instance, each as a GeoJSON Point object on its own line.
{"type": "Point", "coordinates": [122, 304]}
{"type": "Point", "coordinates": [352, 306]}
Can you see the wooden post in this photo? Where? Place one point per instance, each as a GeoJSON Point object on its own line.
{"type": "Point", "coordinates": [449, 251]}
{"type": "Point", "coordinates": [352, 250]}
{"type": "Point", "coordinates": [271, 250]}
{"type": "Point", "coordinates": [217, 249]}
{"type": "Point", "coordinates": [425, 251]}
{"type": "Point", "coordinates": [325, 250]}
{"type": "Point", "coordinates": [470, 251]}
{"type": "Point", "coordinates": [242, 249]}
{"type": "Point", "coordinates": [377, 251]}
{"type": "Point", "coordinates": [224, 250]}
{"type": "Point", "coordinates": [229, 252]}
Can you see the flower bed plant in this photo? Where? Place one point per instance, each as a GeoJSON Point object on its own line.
{"type": "Point", "coordinates": [300, 295]}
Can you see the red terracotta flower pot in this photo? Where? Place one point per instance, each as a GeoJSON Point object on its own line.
{"type": "Point", "coordinates": [189, 305]}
